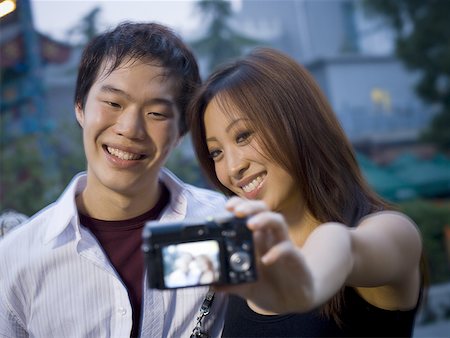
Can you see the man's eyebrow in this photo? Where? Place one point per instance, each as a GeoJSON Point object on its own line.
{"type": "Point", "coordinates": [156, 100]}
{"type": "Point", "coordinates": [113, 90]}
{"type": "Point", "coordinates": [160, 100]}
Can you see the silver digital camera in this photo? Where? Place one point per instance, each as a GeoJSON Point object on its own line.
{"type": "Point", "coordinates": [191, 253]}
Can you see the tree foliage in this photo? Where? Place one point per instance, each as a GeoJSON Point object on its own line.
{"type": "Point", "coordinates": [87, 28]}
{"type": "Point", "coordinates": [423, 44]}
{"type": "Point", "coordinates": [432, 218]}
{"type": "Point", "coordinates": [31, 177]}
{"type": "Point", "coordinates": [222, 42]}
{"type": "Point", "coordinates": [21, 182]}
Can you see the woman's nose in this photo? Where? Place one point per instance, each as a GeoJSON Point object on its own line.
{"type": "Point", "coordinates": [237, 165]}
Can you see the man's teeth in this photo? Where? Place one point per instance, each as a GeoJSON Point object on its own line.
{"type": "Point", "coordinates": [253, 184]}
{"type": "Point", "coordinates": [123, 155]}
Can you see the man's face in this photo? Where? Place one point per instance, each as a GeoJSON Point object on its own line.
{"type": "Point", "coordinates": [130, 125]}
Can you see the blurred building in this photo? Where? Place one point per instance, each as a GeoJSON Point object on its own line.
{"type": "Point", "coordinates": [351, 55]}
{"type": "Point", "coordinates": [31, 122]}
{"type": "Point", "coordinates": [24, 56]}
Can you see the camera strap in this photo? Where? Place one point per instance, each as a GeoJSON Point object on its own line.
{"type": "Point", "coordinates": [198, 331]}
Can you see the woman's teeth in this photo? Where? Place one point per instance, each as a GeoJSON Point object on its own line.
{"type": "Point", "coordinates": [253, 184]}
{"type": "Point", "coordinates": [123, 155]}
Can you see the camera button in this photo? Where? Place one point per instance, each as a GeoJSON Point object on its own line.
{"type": "Point", "coordinates": [233, 277]}
{"type": "Point", "coordinates": [246, 246]}
{"type": "Point", "coordinates": [240, 261]}
{"type": "Point", "coordinates": [249, 276]}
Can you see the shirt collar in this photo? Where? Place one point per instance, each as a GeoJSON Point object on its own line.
{"type": "Point", "coordinates": [65, 211]}
{"type": "Point", "coordinates": [177, 208]}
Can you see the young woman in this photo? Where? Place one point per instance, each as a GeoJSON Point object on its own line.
{"type": "Point", "coordinates": [333, 258]}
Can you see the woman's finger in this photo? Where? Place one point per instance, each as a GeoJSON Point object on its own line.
{"type": "Point", "coordinates": [270, 221]}
{"type": "Point", "coordinates": [263, 241]}
{"type": "Point", "coordinates": [242, 208]}
{"type": "Point", "coordinates": [281, 251]}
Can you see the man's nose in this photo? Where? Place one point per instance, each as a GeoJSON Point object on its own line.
{"type": "Point", "coordinates": [131, 124]}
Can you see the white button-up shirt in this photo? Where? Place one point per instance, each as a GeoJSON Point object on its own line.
{"type": "Point", "coordinates": [56, 281]}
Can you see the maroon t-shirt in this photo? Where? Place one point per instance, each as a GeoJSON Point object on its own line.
{"type": "Point", "coordinates": [121, 241]}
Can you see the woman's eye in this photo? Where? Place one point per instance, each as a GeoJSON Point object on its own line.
{"type": "Point", "coordinates": [214, 154]}
{"type": "Point", "coordinates": [242, 137]}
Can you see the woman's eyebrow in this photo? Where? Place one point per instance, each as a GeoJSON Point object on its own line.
{"type": "Point", "coordinates": [227, 129]}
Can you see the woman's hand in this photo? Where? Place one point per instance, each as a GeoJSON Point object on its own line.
{"type": "Point", "coordinates": [284, 281]}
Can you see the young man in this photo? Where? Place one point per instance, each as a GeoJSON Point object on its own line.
{"type": "Point", "coordinates": [76, 268]}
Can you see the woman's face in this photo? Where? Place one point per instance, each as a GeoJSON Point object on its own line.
{"type": "Point", "coordinates": [240, 163]}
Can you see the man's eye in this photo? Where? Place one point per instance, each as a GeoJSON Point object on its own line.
{"type": "Point", "coordinates": [242, 137]}
{"type": "Point", "coordinates": [156, 115]}
{"type": "Point", "coordinates": [113, 104]}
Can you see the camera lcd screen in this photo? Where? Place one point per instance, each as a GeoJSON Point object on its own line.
{"type": "Point", "coordinates": [190, 264]}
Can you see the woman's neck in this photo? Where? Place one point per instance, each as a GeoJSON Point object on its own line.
{"type": "Point", "coordinates": [301, 227]}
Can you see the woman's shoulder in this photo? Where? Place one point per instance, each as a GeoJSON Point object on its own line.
{"type": "Point", "coordinates": [392, 227]}
{"type": "Point", "coordinates": [386, 213]}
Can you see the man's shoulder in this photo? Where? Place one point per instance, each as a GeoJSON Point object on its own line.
{"type": "Point", "coordinates": [28, 231]}
{"type": "Point", "coordinates": [49, 221]}
{"type": "Point", "coordinates": [202, 192]}
{"type": "Point", "coordinates": [194, 195]}
{"type": "Point", "coordinates": [59, 210]}
{"type": "Point", "coordinates": [203, 195]}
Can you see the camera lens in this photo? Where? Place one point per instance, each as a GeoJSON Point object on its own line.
{"type": "Point", "coordinates": [240, 261]}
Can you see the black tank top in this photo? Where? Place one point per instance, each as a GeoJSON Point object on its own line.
{"type": "Point", "coordinates": [360, 319]}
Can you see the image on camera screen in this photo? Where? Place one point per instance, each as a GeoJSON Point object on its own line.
{"type": "Point", "coordinates": [190, 264]}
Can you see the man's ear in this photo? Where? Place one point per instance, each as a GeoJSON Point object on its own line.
{"type": "Point", "coordinates": [79, 113]}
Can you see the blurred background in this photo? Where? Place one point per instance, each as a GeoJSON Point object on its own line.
{"type": "Point", "coordinates": [383, 64]}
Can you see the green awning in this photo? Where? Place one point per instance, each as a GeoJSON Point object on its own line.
{"type": "Point", "coordinates": [430, 178]}
{"type": "Point", "coordinates": [385, 183]}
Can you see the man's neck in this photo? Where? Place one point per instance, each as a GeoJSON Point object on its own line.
{"type": "Point", "coordinates": [112, 206]}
